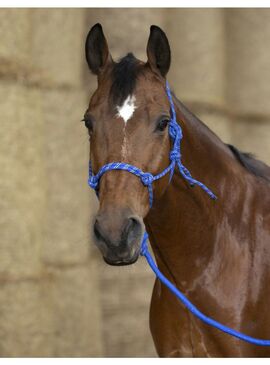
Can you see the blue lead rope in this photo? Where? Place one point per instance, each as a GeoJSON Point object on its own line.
{"type": "Point", "coordinates": [176, 135]}
{"type": "Point", "coordinates": [195, 311]}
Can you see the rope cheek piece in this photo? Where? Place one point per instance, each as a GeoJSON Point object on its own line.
{"type": "Point", "coordinates": [147, 179]}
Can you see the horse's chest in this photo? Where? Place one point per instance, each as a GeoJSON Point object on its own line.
{"type": "Point", "coordinates": [174, 332]}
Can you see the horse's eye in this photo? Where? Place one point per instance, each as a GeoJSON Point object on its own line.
{"type": "Point", "coordinates": [162, 124]}
{"type": "Point", "coordinates": [88, 123]}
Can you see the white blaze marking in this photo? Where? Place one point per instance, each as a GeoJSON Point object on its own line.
{"type": "Point", "coordinates": [127, 109]}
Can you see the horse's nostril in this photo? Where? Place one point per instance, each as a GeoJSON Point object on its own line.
{"type": "Point", "coordinates": [117, 234]}
{"type": "Point", "coordinates": [97, 231]}
{"type": "Point", "coordinates": [129, 226]}
{"type": "Point", "coordinates": [132, 230]}
{"type": "Point", "coordinates": [135, 223]}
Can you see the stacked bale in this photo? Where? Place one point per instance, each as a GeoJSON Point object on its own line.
{"type": "Point", "coordinates": [49, 297]}
{"type": "Point", "coordinates": [248, 92]}
{"type": "Point", "coordinates": [198, 67]}
{"type": "Point", "coordinates": [57, 297]}
{"type": "Point", "coordinates": [23, 312]}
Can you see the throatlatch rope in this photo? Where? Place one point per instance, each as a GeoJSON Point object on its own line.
{"type": "Point", "coordinates": [147, 179]}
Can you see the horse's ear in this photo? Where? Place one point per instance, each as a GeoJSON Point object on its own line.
{"type": "Point", "coordinates": [96, 50]}
{"type": "Point", "coordinates": [158, 51]}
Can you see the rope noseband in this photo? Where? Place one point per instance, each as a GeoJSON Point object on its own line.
{"type": "Point", "coordinates": [147, 179]}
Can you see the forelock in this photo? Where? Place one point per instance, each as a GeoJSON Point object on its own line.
{"type": "Point", "coordinates": [124, 77]}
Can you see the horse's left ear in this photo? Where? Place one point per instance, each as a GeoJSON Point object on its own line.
{"type": "Point", "coordinates": [158, 51]}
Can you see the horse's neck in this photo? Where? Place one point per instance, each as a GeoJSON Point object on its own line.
{"type": "Point", "coordinates": [185, 224]}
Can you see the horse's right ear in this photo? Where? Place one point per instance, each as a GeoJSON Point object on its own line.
{"type": "Point", "coordinates": [96, 50]}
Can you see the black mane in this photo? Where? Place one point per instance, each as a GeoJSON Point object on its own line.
{"type": "Point", "coordinates": [124, 76]}
{"type": "Point", "coordinates": [256, 167]}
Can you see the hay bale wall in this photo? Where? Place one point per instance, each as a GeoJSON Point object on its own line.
{"type": "Point", "coordinates": [57, 297]}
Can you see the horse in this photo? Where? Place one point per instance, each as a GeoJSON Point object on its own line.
{"type": "Point", "coordinates": [216, 252]}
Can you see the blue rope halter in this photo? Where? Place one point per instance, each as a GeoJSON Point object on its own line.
{"type": "Point", "coordinates": [176, 135]}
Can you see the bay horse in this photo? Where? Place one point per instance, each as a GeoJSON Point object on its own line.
{"type": "Point", "coordinates": [216, 252]}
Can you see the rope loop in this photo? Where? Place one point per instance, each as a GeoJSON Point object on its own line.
{"type": "Point", "coordinates": [93, 182]}
{"type": "Point", "coordinates": [147, 178]}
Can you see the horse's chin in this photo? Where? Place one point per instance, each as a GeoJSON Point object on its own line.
{"type": "Point", "coordinates": [121, 262]}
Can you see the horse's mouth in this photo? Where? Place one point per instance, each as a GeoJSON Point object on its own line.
{"type": "Point", "coordinates": [121, 262]}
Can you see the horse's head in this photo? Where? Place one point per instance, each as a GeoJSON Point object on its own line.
{"type": "Point", "coordinates": [127, 120]}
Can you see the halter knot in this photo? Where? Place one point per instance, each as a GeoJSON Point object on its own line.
{"type": "Point", "coordinates": [175, 155]}
{"type": "Point", "coordinates": [93, 182]}
{"type": "Point", "coordinates": [175, 131]}
{"type": "Point", "coordinates": [147, 179]}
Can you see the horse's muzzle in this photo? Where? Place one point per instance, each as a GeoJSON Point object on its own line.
{"type": "Point", "coordinates": [118, 236]}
